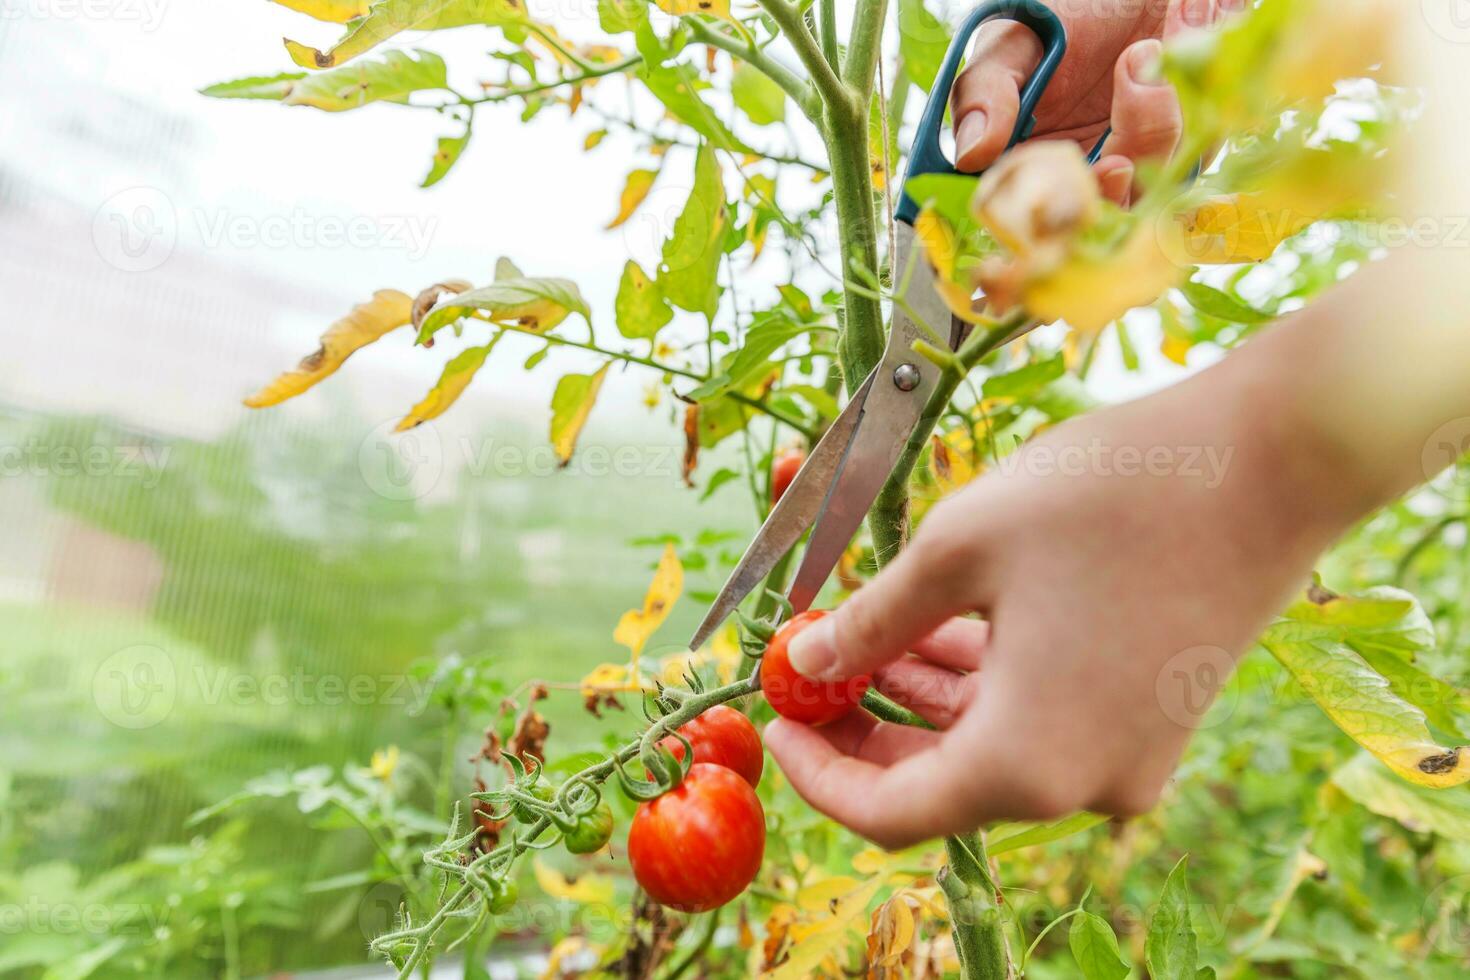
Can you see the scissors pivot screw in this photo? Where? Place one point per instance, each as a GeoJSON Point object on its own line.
{"type": "Point", "coordinates": [906, 377]}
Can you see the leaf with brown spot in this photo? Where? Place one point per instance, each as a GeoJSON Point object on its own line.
{"type": "Point", "coordinates": [388, 310]}
{"type": "Point", "coordinates": [388, 18]}
{"type": "Point", "coordinates": [571, 404]}
{"type": "Point", "coordinates": [425, 300]}
{"type": "Point", "coordinates": [534, 303]}
{"type": "Point", "coordinates": [691, 443]}
{"type": "Point", "coordinates": [637, 625]}
{"type": "Point", "coordinates": [890, 938]}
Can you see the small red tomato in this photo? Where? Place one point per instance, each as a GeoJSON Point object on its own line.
{"type": "Point", "coordinates": [783, 471]}
{"type": "Point", "coordinates": [800, 698]}
{"type": "Point", "coordinates": [722, 736]}
{"type": "Point", "coordinates": [699, 845]}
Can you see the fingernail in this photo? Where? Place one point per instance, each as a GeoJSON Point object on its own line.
{"type": "Point", "coordinates": [969, 134]}
{"type": "Point", "coordinates": [812, 651]}
{"type": "Point", "coordinates": [1196, 13]}
{"type": "Point", "coordinates": [1143, 62]}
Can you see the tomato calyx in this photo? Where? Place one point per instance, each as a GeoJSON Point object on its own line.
{"type": "Point", "coordinates": [665, 770]}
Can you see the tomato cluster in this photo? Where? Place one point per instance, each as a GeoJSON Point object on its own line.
{"type": "Point", "coordinates": [699, 845]}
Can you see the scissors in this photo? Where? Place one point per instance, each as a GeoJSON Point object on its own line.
{"type": "Point", "coordinates": [845, 471]}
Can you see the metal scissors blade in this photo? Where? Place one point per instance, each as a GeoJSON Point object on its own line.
{"type": "Point", "coordinates": [849, 465]}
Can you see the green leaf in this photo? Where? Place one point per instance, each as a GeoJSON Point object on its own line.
{"type": "Point", "coordinates": [752, 360]}
{"type": "Point", "coordinates": [272, 87]}
{"type": "Point", "coordinates": [641, 308]}
{"type": "Point", "coordinates": [534, 303]}
{"type": "Point", "coordinates": [1319, 638]}
{"type": "Point", "coordinates": [456, 377]}
{"type": "Point", "coordinates": [445, 157]}
{"type": "Point", "coordinates": [922, 41]}
{"type": "Point", "coordinates": [691, 256]}
{"type": "Point", "coordinates": [720, 419]}
{"type": "Point", "coordinates": [571, 404]}
{"type": "Point", "coordinates": [1172, 949]}
{"type": "Point", "coordinates": [948, 194]}
{"type": "Point", "coordinates": [1025, 380]}
{"type": "Point", "coordinates": [1211, 301]}
{"type": "Point", "coordinates": [676, 86]}
{"type": "Point", "coordinates": [1371, 785]}
{"type": "Point", "coordinates": [621, 16]}
{"type": "Point", "coordinates": [761, 99]}
{"type": "Point", "coordinates": [1095, 948]}
{"type": "Point", "coordinates": [1013, 836]}
{"type": "Point", "coordinates": [393, 78]}
{"type": "Point", "coordinates": [719, 479]}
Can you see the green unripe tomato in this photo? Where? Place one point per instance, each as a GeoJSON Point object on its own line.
{"type": "Point", "coordinates": [505, 898]}
{"type": "Point", "coordinates": [591, 832]}
{"type": "Point", "coordinates": [543, 791]}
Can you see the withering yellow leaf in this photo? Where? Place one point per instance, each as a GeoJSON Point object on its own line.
{"type": "Point", "coordinates": [388, 310]}
{"type": "Point", "coordinates": [638, 184]}
{"type": "Point", "coordinates": [593, 138]}
{"type": "Point", "coordinates": [609, 678]}
{"type": "Point", "coordinates": [637, 625]}
{"type": "Point", "coordinates": [940, 243]}
{"type": "Point", "coordinates": [1090, 291]}
{"type": "Point", "coordinates": [682, 8]}
{"type": "Point", "coordinates": [587, 889]}
{"type": "Point", "coordinates": [458, 374]}
{"type": "Point", "coordinates": [571, 404]}
{"type": "Point", "coordinates": [1235, 228]}
{"type": "Point", "coordinates": [560, 953]}
{"type": "Point", "coordinates": [332, 11]}
{"type": "Point", "coordinates": [890, 936]}
{"type": "Point", "coordinates": [832, 915]}
{"type": "Point", "coordinates": [1037, 198]}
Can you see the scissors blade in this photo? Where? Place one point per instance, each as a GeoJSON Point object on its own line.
{"type": "Point", "coordinates": [789, 519]}
{"type": "Point", "coordinates": [890, 414]}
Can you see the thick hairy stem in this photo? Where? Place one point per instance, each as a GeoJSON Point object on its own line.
{"type": "Point", "coordinates": [864, 46]}
{"type": "Point", "coordinates": [978, 921]}
{"type": "Point", "coordinates": [860, 346]}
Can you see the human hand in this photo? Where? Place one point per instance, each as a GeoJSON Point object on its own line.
{"type": "Point", "coordinates": [1113, 546]}
{"type": "Point", "coordinates": [1108, 76]}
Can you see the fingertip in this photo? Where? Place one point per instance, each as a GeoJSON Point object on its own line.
{"type": "Point", "coordinates": [813, 651]}
{"type": "Point", "coordinates": [970, 148]}
{"type": "Point", "coordinates": [1115, 178]}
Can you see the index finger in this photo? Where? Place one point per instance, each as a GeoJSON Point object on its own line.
{"type": "Point", "coordinates": [987, 95]}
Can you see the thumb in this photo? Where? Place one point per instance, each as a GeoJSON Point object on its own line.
{"type": "Point", "coordinates": [908, 600]}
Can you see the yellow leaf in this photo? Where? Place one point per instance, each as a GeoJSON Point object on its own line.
{"type": "Point", "coordinates": [458, 374]}
{"type": "Point", "coordinates": [941, 245]}
{"type": "Point", "coordinates": [639, 183]}
{"type": "Point", "coordinates": [1089, 291]}
{"type": "Point", "coordinates": [637, 625]}
{"type": "Point", "coordinates": [587, 889]}
{"type": "Point", "coordinates": [725, 648]}
{"type": "Point", "coordinates": [833, 915]}
{"type": "Point", "coordinates": [1175, 349]}
{"type": "Point", "coordinates": [562, 951]}
{"type": "Point", "coordinates": [890, 936]}
{"type": "Point", "coordinates": [570, 405]}
{"type": "Point", "coordinates": [332, 11]}
{"type": "Point", "coordinates": [607, 678]}
{"type": "Point", "coordinates": [386, 20]}
{"type": "Point", "coordinates": [384, 763]}
{"type": "Point", "coordinates": [387, 310]}
{"type": "Point", "coordinates": [683, 8]}
{"type": "Point", "coordinates": [1037, 198]}
{"type": "Point", "coordinates": [1235, 228]}
{"type": "Point", "coordinates": [593, 138]}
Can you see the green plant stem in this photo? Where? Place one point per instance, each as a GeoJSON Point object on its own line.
{"type": "Point", "coordinates": [827, 21]}
{"type": "Point", "coordinates": [788, 18]}
{"type": "Point", "coordinates": [588, 73]}
{"type": "Point", "coordinates": [801, 91]}
{"type": "Point", "coordinates": [706, 936]}
{"type": "Point", "coordinates": [978, 922]}
{"type": "Point", "coordinates": [759, 404]}
{"type": "Point", "coordinates": [421, 937]}
{"type": "Point", "coordinates": [860, 347]}
{"type": "Point", "coordinates": [863, 47]}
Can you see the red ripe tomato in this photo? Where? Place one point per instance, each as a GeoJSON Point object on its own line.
{"type": "Point", "coordinates": [699, 845]}
{"type": "Point", "coordinates": [722, 736]}
{"type": "Point", "coordinates": [798, 697]}
{"type": "Point", "coordinates": [783, 471]}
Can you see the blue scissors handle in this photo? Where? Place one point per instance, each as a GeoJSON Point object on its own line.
{"type": "Point", "coordinates": [927, 157]}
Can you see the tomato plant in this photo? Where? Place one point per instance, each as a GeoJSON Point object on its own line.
{"type": "Point", "coordinates": [810, 143]}
{"type": "Point", "coordinates": [801, 698]}
{"type": "Point", "coordinates": [591, 831]}
{"type": "Point", "coordinates": [699, 845]}
{"type": "Point", "coordinates": [723, 736]}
